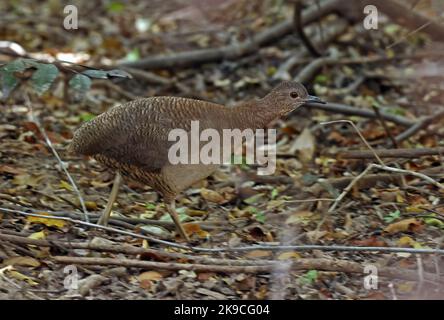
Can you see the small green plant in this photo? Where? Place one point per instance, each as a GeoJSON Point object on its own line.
{"type": "Point", "coordinates": [309, 278]}
{"type": "Point", "coordinates": [392, 216]}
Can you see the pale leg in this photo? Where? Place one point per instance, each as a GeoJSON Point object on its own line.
{"type": "Point", "coordinates": [171, 207]}
{"type": "Point", "coordinates": [112, 198]}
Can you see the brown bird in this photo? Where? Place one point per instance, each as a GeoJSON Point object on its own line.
{"type": "Point", "coordinates": [132, 138]}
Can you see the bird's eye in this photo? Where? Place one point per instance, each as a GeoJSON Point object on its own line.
{"type": "Point", "coordinates": [294, 94]}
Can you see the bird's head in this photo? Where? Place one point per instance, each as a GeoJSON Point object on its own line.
{"type": "Point", "coordinates": [287, 96]}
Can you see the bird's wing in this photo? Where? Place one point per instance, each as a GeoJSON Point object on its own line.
{"type": "Point", "coordinates": [135, 133]}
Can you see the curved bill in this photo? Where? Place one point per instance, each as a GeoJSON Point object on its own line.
{"type": "Point", "coordinates": [314, 99]}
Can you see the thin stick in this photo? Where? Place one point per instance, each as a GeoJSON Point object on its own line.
{"type": "Point", "coordinates": [309, 200]}
{"type": "Point", "coordinates": [407, 153]}
{"type": "Point", "coordinates": [271, 247]}
{"type": "Point", "coordinates": [93, 225]}
{"type": "Point", "coordinates": [381, 166]}
{"type": "Point", "coordinates": [384, 125]}
{"type": "Point", "coordinates": [300, 264]}
{"type": "Point", "coordinates": [352, 111]}
{"type": "Point", "coordinates": [62, 165]}
{"type": "Point", "coordinates": [360, 135]}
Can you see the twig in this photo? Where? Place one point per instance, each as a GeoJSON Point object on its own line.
{"type": "Point", "coordinates": [92, 225]}
{"type": "Point", "coordinates": [352, 111]}
{"type": "Point", "coordinates": [300, 264]}
{"type": "Point", "coordinates": [348, 188]}
{"type": "Point", "coordinates": [412, 173]}
{"type": "Point", "coordinates": [360, 136]}
{"type": "Point", "coordinates": [309, 200]}
{"type": "Point", "coordinates": [419, 126]}
{"type": "Point", "coordinates": [236, 50]}
{"type": "Point", "coordinates": [271, 247]}
{"type": "Point", "coordinates": [148, 76]}
{"type": "Point", "coordinates": [62, 165]}
{"type": "Point", "coordinates": [393, 153]}
{"type": "Point", "coordinates": [297, 22]}
{"type": "Point", "coordinates": [381, 166]}
{"type": "Point", "coordinates": [297, 60]}
{"type": "Point", "coordinates": [384, 125]}
{"type": "Point", "coordinates": [309, 71]}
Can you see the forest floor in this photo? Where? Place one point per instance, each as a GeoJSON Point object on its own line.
{"type": "Point", "coordinates": [235, 206]}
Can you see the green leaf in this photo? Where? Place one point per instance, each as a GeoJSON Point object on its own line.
{"type": "Point", "coordinates": [115, 7]}
{"type": "Point", "coordinates": [392, 216]}
{"type": "Point", "coordinates": [274, 193]}
{"type": "Point", "coordinates": [133, 55]}
{"type": "Point", "coordinates": [254, 199]}
{"type": "Point", "coordinates": [80, 83]}
{"type": "Point", "coordinates": [321, 79]}
{"type": "Point", "coordinates": [150, 206]}
{"type": "Point", "coordinates": [434, 222]}
{"type": "Point", "coordinates": [43, 78]}
{"type": "Point", "coordinates": [7, 83]}
{"type": "Point", "coordinates": [260, 217]}
{"type": "Point", "coordinates": [97, 74]}
{"type": "Point", "coordinates": [86, 116]}
{"type": "Point", "coordinates": [310, 277]}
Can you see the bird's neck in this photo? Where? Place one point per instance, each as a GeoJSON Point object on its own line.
{"type": "Point", "coordinates": [254, 114]}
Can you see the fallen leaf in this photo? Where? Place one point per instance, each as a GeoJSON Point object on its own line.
{"type": "Point", "coordinates": [411, 224]}
{"type": "Point", "coordinates": [303, 217]}
{"type": "Point", "coordinates": [65, 185]}
{"type": "Point", "coordinates": [212, 196]}
{"type": "Point", "coordinates": [289, 255]}
{"type": "Point", "coordinates": [20, 276]}
{"type": "Point", "coordinates": [11, 170]}
{"type": "Point", "coordinates": [22, 261]}
{"type": "Point", "coordinates": [370, 242]}
{"type": "Point", "coordinates": [27, 180]}
{"type": "Point", "coordinates": [194, 228]}
{"type": "Point", "coordinates": [38, 235]}
{"type": "Point", "coordinates": [47, 221]}
{"type": "Point", "coordinates": [258, 254]}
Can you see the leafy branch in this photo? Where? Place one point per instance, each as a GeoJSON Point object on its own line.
{"type": "Point", "coordinates": [12, 74]}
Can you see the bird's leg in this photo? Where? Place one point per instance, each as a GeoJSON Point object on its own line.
{"type": "Point", "coordinates": [112, 198]}
{"type": "Point", "coordinates": [171, 207]}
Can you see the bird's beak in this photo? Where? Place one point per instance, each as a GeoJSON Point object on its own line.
{"type": "Point", "coordinates": [314, 99]}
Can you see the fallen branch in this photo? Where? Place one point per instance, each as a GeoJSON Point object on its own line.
{"type": "Point", "coordinates": [352, 111]}
{"type": "Point", "coordinates": [270, 247]}
{"type": "Point", "coordinates": [297, 60]}
{"type": "Point", "coordinates": [422, 124]}
{"type": "Point", "coordinates": [298, 26]}
{"type": "Point", "coordinates": [236, 50]}
{"type": "Point", "coordinates": [333, 265]}
{"type": "Point", "coordinates": [398, 13]}
{"type": "Point", "coordinates": [381, 166]}
{"type": "Point", "coordinates": [310, 70]}
{"type": "Point", "coordinates": [392, 153]}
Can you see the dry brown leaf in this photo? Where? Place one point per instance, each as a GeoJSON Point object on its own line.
{"type": "Point", "coordinates": [20, 276]}
{"type": "Point", "coordinates": [289, 255]}
{"type": "Point", "coordinates": [411, 224]}
{"type": "Point", "coordinates": [194, 228]}
{"type": "Point", "coordinates": [47, 221]}
{"type": "Point", "coordinates": [299, 217]}
{"type": "Point", "coordinates": [22, 261]}
{"type": "Point", "coordinates": [146, 278]}
{"type": "Point", "coordinates": [212, 196]}
{"type": "Point", "coordinates": [258, 254]}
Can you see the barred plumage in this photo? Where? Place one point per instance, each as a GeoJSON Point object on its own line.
{"type": "Point", "coordinates": [133, 137]}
